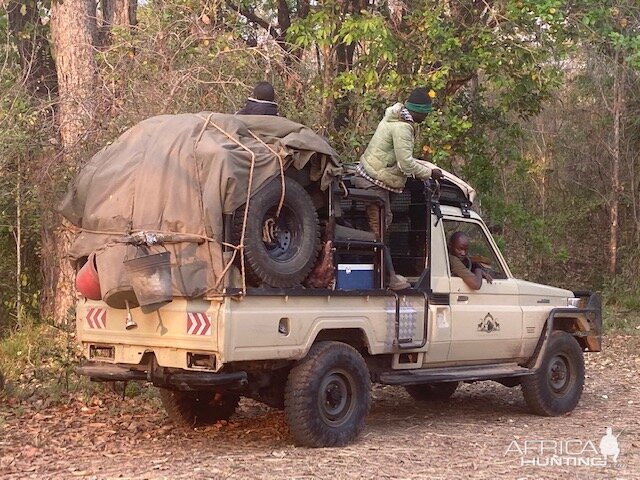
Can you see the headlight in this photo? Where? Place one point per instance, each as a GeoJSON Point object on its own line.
{"type": "Point", "coordinates": [573, 302]}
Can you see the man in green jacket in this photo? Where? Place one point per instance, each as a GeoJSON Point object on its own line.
{"type": "Point", "coordinates": [388, 161]}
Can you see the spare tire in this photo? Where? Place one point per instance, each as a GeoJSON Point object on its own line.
{"type": "Point", "coordinates": [279, 251]}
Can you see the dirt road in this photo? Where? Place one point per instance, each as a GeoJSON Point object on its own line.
{"type": "Point", "coordinates": [484, 431]}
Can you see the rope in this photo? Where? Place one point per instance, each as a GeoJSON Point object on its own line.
{"type": "Point", "coordinates": [269, 230]}
{"type": "Point", "coordinates": [344, 189]}
{"type": "Point", "coordinates": [200, 196]}
{"type": "Point", "coordinates": [246, 208]}
{"type": "Point", "coordinates": [186, 237]}
{"type": "Point", "coordinates": [281, 162]}
{"type": "Point", "coordinates": [205, 238]}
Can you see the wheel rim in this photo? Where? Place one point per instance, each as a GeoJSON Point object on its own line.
{"type": "Point", "coordinates": [559, 374]}
{"type": "Point", "coordinates": [280, 233]}
{"type": "Point", "coordinates": [335, 398]}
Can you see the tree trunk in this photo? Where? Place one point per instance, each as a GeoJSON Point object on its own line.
{"type": "Point", "coordinates": [71, 27]}
{"type": "Point", "coordinates": [634, 193]}
{"type": "Point", "coordinates": [121, 13]}
{"type": "Point", "coordinates": [344, 54]}
{"type": "Point", "coordinates": [38, 69]}
{"type": "Point", "coordinates": [124, 12]}
{"type": "Point", "coordinates": [76, 68]}
{"type": "Point", "coordinates": [618, 112]}
{"type": "Point", "coordinates": [328, 75]}
{"type": "Point", "coordinates": [58, 292]}
{"type": "Point", "coordinates": [18, 239]}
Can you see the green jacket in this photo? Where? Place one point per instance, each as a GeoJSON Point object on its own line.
{"type": "Point", "coordinates": [389, 155]}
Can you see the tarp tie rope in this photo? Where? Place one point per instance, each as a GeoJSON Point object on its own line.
{"type": "Point", "coordinates": [281, 162]}
{"type": "Point", "coordinates": [246, 208]}
{"type": "Point", "coordinates": [135, 237]}
{"type": "Point", "coordinates": [200, 192]}
{"type": "Point", "coordinates": [269, 231]}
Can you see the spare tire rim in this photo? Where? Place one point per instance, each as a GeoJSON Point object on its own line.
{"type": "Point", "coordinates": [279, 234]}
{"type": "Point", "coordinates": [335, 397]}
{"type": "Point", "coordinates": [559, 374]}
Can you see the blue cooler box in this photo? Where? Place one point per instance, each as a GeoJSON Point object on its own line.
{"type": "Point", "coordinates": [354, 276]}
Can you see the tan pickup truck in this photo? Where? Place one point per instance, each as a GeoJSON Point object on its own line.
{"type": "Point", "coordinates": [315, 350]}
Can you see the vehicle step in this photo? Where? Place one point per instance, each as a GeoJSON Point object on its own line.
{"type": "Point", "coordinates": [452, 374]}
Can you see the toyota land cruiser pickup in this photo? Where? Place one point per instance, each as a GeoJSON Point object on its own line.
{"type": "Point", "coordinates": [315, 351]}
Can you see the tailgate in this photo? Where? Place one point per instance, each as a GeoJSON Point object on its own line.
{"type": "Point", "coordinates": [172, 333]}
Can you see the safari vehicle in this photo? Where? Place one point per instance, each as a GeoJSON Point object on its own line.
{"type": "Point", "coordinates": [309, 332]}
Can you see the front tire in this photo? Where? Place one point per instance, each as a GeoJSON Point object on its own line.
{"type": "Point", "coordinates": [557, 385]}
{"type": "Point", "coordinates": [198, 408]}
{"type": "Point", "coordinates": [328, 396]}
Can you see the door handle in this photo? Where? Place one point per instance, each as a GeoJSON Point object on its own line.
{"type": "Point", "coordinates": [463, 298]}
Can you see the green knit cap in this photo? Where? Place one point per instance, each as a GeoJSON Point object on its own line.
{"type": "Point", "coordinates": [419, 101]}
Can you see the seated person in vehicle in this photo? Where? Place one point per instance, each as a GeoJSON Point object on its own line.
{"type": "Point", "coordinates": [461, 264]}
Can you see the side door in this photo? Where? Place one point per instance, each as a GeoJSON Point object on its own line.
{"type": "Point", "coordinates": [486, 324]}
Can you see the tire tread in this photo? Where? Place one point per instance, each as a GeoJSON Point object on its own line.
{"type": "Point", "coordinates": [187, 411]}
{"type": "Point", "coordinates": [535, 387]}
{"type": "Point", "coordinates": [299, 404]}
{"type": "Point", "coordinates": [256, 271]}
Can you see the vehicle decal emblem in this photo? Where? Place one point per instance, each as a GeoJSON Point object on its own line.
{"type": "Point", "coordinates": [489, 324]}
{"type": "Point", "coordinates": [198, 323]}
{"type": "Point", "coordinates": [97, 318]}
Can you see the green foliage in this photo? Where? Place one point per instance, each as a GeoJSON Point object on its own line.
{"type": "Point", "coordinates": [621, 319]}
{"type": "Point", "coordinates": [37, 361]}
{"type": "Point", "coordinates": [24, 142]}
{"type": "Point", "coordinates": [501, 73]}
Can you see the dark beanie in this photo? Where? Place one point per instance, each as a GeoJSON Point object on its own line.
{"type": "Point", "coordinates": [419, 101]}
{"type": "Point", "coordinates": [264, 91]}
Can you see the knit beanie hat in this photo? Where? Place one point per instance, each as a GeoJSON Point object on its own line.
{"type": "Point", "coordinates": [264, 91]}
{"type": "Point", "coordinates": [419, 101]}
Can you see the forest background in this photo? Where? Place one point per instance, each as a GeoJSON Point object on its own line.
{"type": "Point", "coordinates": [536, 105]}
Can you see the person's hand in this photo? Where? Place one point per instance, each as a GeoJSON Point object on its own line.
{"type": "Point", "coordinates": [477, 269]}
{"type": "Point", "coordinates": [436, 174]}
{"type": "Point", "coordinates": [487, 276]}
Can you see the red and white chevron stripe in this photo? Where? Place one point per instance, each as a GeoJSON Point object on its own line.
{"type": "Point", "coordinates": [198, 323]}
{"type": "Point", "coordinates": [97, 318]}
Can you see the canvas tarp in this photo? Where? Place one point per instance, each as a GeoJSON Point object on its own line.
{"type": "Point", "coordinates": [180, 174]}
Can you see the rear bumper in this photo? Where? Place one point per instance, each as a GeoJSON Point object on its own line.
{"type": "Point", "coordinates": [163, 377]}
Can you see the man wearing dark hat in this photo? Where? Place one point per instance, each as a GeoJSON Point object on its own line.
{"type": "Point", "coordinates": [388, 161]}
{"type": "Point", "coordinates": [262, 102]}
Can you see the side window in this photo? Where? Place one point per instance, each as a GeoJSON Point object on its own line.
{"type": "Point", "coordinates": [480, 250]}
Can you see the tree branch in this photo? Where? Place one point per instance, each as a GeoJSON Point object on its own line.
{"type": "Point", "coordinates": [252, 17]}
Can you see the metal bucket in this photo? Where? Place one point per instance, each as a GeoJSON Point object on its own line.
{"type": "Point", "coordinates": [150, 277]}
{"type": "Point", "coordinates": [116, 290]}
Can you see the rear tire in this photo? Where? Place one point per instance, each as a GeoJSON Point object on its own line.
{"type": "Point", "coordinates": [279, 251]}
{"type": "Point", "coordinates": [328, 396]}
{"type": "Point", "coordinates": [198, 408]}
{"type": "Point", "coordinates": [432, 392]}
{"type": "Point", "coordinates": [557, 386]}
